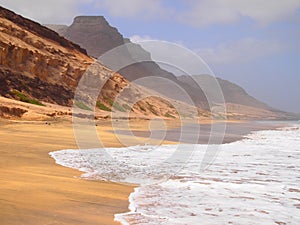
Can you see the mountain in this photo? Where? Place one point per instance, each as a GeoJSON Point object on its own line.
{"type": "Point", "coordinates": [38, 62]}
{"type": "Point", "coordinates": [96, 35]}
{"type": "Point", "coordinates": [239, 103]}
{"type": "Point", "coordinates": [40, 67]}
{"type": "Point", "coordinates": [232, 92]}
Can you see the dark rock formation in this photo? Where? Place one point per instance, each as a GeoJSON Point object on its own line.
{"type": "Point", "coordinates": [37, 29]}
{"type": "Point", "coordinates": [95, 35]}
{"type": "Point", "coordinates": [232, 92]}
{"type": "Point", "coordinates": [38, 66]}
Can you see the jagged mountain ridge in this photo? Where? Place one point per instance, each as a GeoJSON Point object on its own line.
{"type": "Point", "coordinates": [37, 29]}
{"type": "Point", "coordinates": [36, 64]}
{"type": "Point", "coordinates": [239, 104]}
{"type": "Point", "coordinates": [97, 36]}
{"type": "Point", "coordinates": [233, 93]}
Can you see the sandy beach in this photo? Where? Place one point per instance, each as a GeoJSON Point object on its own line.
{"type": "Point", "coordinates": [35, 190]}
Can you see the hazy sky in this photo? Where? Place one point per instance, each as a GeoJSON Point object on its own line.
{"type": "Point", "coordinates": [254, 43]}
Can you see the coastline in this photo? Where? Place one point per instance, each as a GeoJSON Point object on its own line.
{"type": "Point", "coordinates": [250, 182]}
{"type": "Point", "coordinates": [35, 190]}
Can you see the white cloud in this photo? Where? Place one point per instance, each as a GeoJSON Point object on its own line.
{"type": "Point", "coordinates": [133, 8]}
{"type": "Point", "coordinates": [54, 11]}
{"type": "Point", "coordinates": [207, 12]}
{"type": "Point", "coordinates": [138, 38]}
{"type": "Point", "coordinates": [244, 50]}
{"type": "Point", "coordinates": [200, 13]}
{"type": "Point", "coordinates": [196, 13]}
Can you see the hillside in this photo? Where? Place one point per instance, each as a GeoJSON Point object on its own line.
{"type": "Point", "coordinates": [96, 35]}
{"type": "Point", "coordinates": [239, 103]}
{"type": "Point", "coordinates": [39, 67]}
{"type": "Point", "coordinates": [232, 92]}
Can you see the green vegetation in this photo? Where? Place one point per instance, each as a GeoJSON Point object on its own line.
{"type": "Point", "coordinates": [141, 107]}
{"type": "Point", "coordinates": [115, 105]}
{"type": "Point", "coordinates": [110, 101]}
{"type": "Point", "coordinates": [169, 115]}
{"type": "Point", "coordinates": [171, 106]}
{"type": "Point", "coordinates": [127, 107]}
{"type": "Point", "coordinates": [81, 105]}
{"type": "Point", "coordinates": [24, 98]}
{"type": "Point", "coordinates": [101, 106]}
{"type": "Point", "coordinates": [152, 109]}
{"type": "Point", "coordinates": [118, 107]}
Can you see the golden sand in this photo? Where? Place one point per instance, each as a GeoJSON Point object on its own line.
{"type": "Point", "coordinates": [34, 190]}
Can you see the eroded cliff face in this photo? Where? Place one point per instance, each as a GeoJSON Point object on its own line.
{"type": "Point", "coordinates": [38, 30]}
{"type": "Point", "coordinates": [96, 35]}
{"type": "Point", "coordinates": [38, 56]}
{"type": "Point", "coordinates": [37, 65]}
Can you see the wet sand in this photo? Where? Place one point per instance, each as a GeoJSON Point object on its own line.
{"type": "Point", "coordinates": [35, 190]}
{"type": "Point", "coordinates": [201, 133]}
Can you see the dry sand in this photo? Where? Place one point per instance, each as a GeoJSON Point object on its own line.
{"type": "Point", "coordinates": [35, 190]}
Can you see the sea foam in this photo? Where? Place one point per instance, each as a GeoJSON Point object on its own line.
{"type": "Point", "coordinates": [252, 181]}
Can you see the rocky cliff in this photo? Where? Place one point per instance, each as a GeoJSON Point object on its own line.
{"type": "Point", "coordinates": [240, 105]}
{"type": "Point", "coordinates": [232, 92]}
{"type": "Point", "coordinates": [37, 61]}
{"type": "Point", "coordinates": [39, 66]}
{"type": "Point", "coordinates": [96, 35]}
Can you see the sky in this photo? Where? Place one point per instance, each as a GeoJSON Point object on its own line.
{"type": "Point", "coordinates": [253, 43]}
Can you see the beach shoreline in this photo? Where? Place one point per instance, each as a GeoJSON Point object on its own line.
{"type": "Point", "coordinates": [35, 190]}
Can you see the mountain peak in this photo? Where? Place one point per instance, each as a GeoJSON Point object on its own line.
{"type": "Point", "coordinates": [91, 20]}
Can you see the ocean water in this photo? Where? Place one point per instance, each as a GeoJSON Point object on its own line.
{"type": "Point", "coordinates": [252, 181]}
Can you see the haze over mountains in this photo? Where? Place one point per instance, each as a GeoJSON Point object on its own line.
{"type": "Point", "coordinates": [38, 66]}
{"type": "Point", "coordinates": [96, 35]}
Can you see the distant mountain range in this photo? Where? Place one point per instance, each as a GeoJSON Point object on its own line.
{"type": "Point", "coordinates": [94, 34]}
{"type": "Point", "coordinates": [39, 66]}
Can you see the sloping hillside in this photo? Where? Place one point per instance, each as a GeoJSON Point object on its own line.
{"type": "Point", "coordinates": [240, 104]}
{"type": "Point", "coordinates": [39, 67]}
{"type": "Point", "coordinates": [96, 35]}
{"type": "Point", "coordinates": [232, 92]}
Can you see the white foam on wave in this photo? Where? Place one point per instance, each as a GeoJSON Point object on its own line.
{"type": "Point", "coordinates": [252, 181]}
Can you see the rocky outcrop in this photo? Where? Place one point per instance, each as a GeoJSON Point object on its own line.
{"type": "Point", "coordinates": [7, 112]}
{"type": "Point", "coordinates": [232, 92]}
{"type": "Point", "coordinates": [38, 30]}
{"type": "Point", "coordinates": [36, 51]}
{"type": "Point", "coordinates": [38, 66]}
{"type": "Point", "coordinates": [239, 104]}
{"type": "Point", "coordinates": [33, 87]}
{"type": "Point", "coordinates": [96, 35]}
